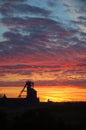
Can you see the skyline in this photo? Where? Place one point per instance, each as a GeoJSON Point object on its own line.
{"type": "Point", "coordinates": [44, 41]}
{"type": "Point", "coordinates": [55, 94]}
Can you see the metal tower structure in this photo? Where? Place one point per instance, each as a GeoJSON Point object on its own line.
{"type": "Point", "coordinates": [29, 85]}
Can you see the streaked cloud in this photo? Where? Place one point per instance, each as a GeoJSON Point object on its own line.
{"type": "Point", "coordinates": [44, 41]}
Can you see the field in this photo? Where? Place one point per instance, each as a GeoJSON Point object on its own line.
{"type": "Point", "coordinates": [44, 116]}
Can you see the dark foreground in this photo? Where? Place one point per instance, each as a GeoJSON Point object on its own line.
{"type": "Point", "coordinates": [44, 116]}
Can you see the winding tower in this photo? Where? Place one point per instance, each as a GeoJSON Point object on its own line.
{"type": "Point", "coordinates": [31, 93]}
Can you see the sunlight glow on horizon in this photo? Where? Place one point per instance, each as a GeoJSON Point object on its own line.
{"type": "Point", "coordinates": [55, 94]}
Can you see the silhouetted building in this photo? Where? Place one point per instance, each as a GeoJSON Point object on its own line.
{"type": "Point", "coordinates": [4, 96]}
{"type": "Point", "coordinates": [31, 93]}
{"type": "Point", "coordinates": [31, 96]}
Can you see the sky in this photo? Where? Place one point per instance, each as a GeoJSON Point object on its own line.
{"type": "Point", "coordinates": [45, 41]}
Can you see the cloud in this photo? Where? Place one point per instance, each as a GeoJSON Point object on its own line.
{"type": "Point", "coordinates": [9, 83]}
{"type": "Point", "coordinates": [45, 75]}
{"type": "Point", "coordinates": [4, 1]}
{"type": "Point", "coordinates": [52, 3]}
{"type": "Point", "coordinates": [43, 33]}
{"type": "Point", "coordinates": [80, 84]}
{"type": "Point", "coordinates": [75, 83]}
{"type": "Point", "coordinates": [39, 46]}
{"type": "Point", "coordinates": [27, 21]}
{"type": "Point", "coordinates": [11, 8]}
{"type": "Point", "coordinates": [82, 64]}
{"type": "Point", "coordinates": [77, 11]}
{"type": "Point", "coordinates": [82, 18]}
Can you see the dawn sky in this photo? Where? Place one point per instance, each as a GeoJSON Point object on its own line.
{"type": "Point", "coordinates": [43, 40]}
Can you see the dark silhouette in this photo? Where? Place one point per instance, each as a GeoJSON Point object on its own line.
{"type": "Point", "coordinates": [59, 116]}
{"type": "Point", "coordinates": [31, 97]}
{"type": "Point", "coordinates": [4, 96]}
{"type": "Point", "coordinates": [28, 113]}
{"type": "Point", "coordinates": [3, 121]}
{"type": "Point", "coordinates": [38, 119]}
{"type": "Point", "coordinates": [31, 93]}
{"type": "Point", "coordinates": [28, 85]}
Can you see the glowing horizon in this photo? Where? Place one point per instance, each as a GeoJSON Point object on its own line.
{"type": "Point", "coordinates": [53, 93]}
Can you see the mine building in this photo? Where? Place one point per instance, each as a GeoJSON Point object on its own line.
{"type": "Point", "coordinates": [31, 93]}
{"type": "Point", "coordinates": [31, 96]}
